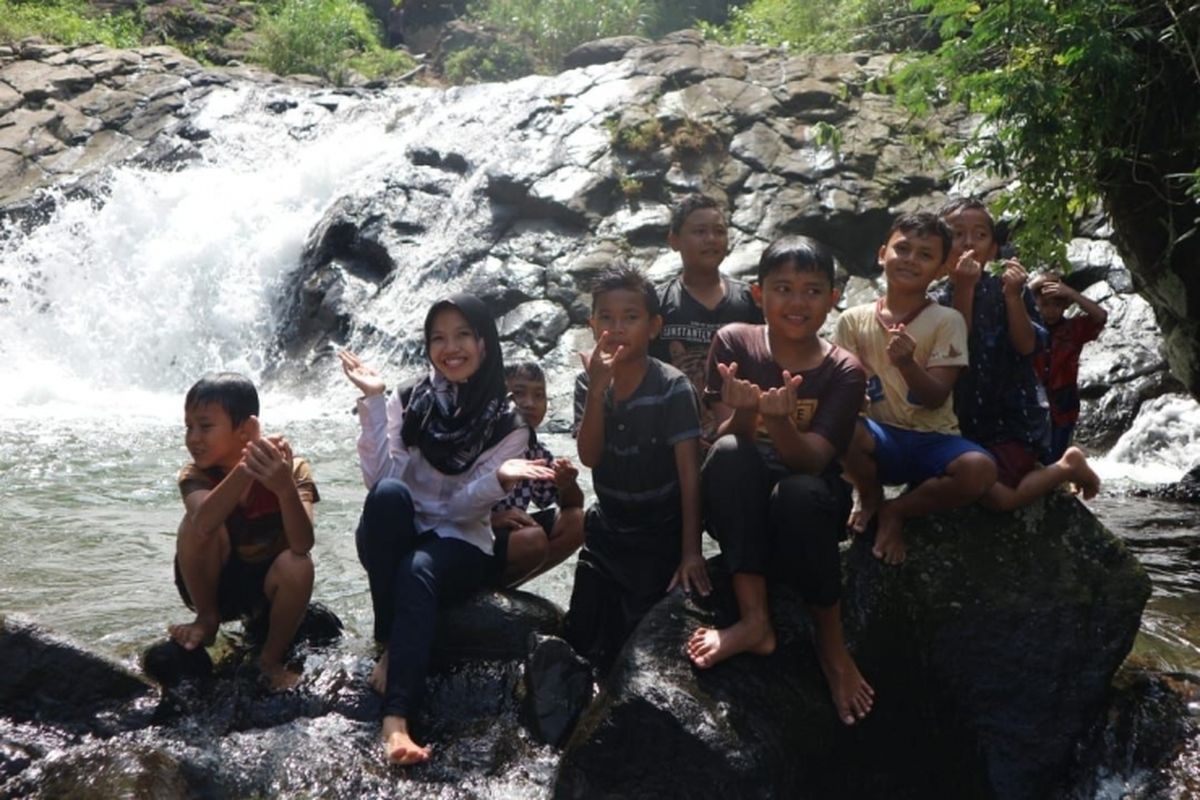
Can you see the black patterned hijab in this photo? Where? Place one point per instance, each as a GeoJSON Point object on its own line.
{"type": "Point", "coordinates": [453, 423]}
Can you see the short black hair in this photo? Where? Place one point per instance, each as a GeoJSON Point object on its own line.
{"type": "Point", "coordinates": [689, 203]}
{"type": "Point", "coordinates": [631, 279]}
{"type": "Point", "coordinates": [924, 223]}
{"type": "Point", "coordinates": [525, 370]}
{"type": "Point", "coordinates": [233, 392]}
{"type": "Point", "coordinates": [957, 205]}
{"type": "Point", "coordinates": [801, 253]}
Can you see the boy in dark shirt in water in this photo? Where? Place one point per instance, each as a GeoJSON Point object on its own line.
{"type": "Point", "coordinates": [696, 303]}
{"type": "Point", "coordinates": [243, 546]}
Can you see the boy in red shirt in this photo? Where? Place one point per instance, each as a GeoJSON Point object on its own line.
{"type": "Point", "coordinates": [1057, 365]}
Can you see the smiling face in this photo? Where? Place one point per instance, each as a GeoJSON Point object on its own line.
{"type": "Point", "coordinates": [529, 396]}
{"type": "Point", "coordinates": [211, 438]}
{"type": "Point", "coordinates": [623, 314]}
{"type": "Point", "coordinates": [702, 240]}
{"type": "Point", "coordinates": [911, 260]}
{"type": "Point", "coordinates": [973, 230]}
{"type": "Point", "coordinates": [454, 348]}
{"type": "Point", "coordinates": [795, 302]}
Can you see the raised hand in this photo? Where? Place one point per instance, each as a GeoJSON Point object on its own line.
{"type": "Point", "coordinates": [781, 401]}
{"type": "Point", "coordinates": [267, 464]}
{"type": "Point", "coordinates": [515, 470]}
{"type": "Point", "coordinates": [967, 270]}
{"type": "Point", "coordinates": [365, 377]}
{"type": "Point", "coordinates": [565, 472]}
{"type": "Point", "coordinates": [600, 362]}
{"type": "Point", "coordinates": [737, 393]}
{"type": "Point", "coordinates": [900, 346]}
{"type": "Point", "coordinates": [1013, 278]}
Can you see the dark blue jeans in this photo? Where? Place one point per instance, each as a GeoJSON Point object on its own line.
{"type": "Point", "coordinates": [411, 574]}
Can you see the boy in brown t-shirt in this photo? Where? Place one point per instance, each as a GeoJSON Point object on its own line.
{"type": "Point", "coordinates": [243, 544]}
{"type": "Point", "coordinates": [786, 401]}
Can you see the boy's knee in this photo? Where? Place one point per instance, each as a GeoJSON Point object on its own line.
{"type": "Point", "coordinates": [292, 568]}
{"type": "Point", "coordinates": [528, 544]}
{"type": "Point", "coordinates": [975, 470]}
{"type": "Point", "coordinates": [728, 456]}
{"type": "Point", "coordinates": [803, 493]}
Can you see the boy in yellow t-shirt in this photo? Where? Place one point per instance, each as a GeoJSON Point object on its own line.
{"type": "Point", "coordinates": [912, 350]}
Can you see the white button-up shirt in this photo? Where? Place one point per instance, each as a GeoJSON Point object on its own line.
{"type": "Point", "coordinates": [455, 506]}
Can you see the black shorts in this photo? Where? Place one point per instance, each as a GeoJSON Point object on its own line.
{"type": "Point", "coordinates": [546, 518]}
{"type": "Point", "coordinates": [240, 590]}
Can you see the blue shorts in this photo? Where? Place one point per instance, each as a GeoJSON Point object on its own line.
{"type": "Point", "coordinates": [904, 456]}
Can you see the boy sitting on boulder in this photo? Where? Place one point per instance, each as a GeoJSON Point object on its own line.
{"type": "Point", "coordinates": [243, 545]}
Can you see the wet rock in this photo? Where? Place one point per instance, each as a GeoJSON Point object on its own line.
{"type": "Point", "coordinates": [100, 771]}
{"type": "Point", "coordinates": [558, 687]}
{"type": "Point", "coordinates": [48, 678]}
{"type": "Point", "coordinates": [602, 51]}
{"type": "Point", "coordinates": [493, 626]}
{"type": "Point", "coordinates": [168, 663]}
{"type": "Point", "coordinates": [949, 641]}
{"type": "Point", "coordinates": [536, 325]}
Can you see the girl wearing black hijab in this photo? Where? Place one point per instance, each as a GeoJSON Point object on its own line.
{"type": "Point", "coordinates": [436, 456]}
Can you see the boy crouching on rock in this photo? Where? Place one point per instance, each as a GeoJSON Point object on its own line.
{"type": "Point", "coordinates": [786, 401]}
{"type": "Point", "coordinates": [243, 546]}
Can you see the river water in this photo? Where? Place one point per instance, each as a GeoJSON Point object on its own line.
{"type": "Point", "coordinates": [109, 311]}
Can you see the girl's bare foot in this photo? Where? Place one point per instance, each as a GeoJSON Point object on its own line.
{"type": "Point", "coordinates": [278, 677]}
{"type": "Point", "coordinates": [200, 632]}
{"type": "Point", "coordinates": [399, 746]}
{"type": "Point", "coordinates": [707, 646]}
{"type": "Point", "coordinates": [378, 679]}
{"type": "Point", "coordinates": [852, 695]}
{"type": "Point", "coordinates": [889, 537]}
{"type": "Point", "coordinates": [1082, 475]}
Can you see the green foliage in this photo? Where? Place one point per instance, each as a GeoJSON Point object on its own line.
{"type": "Point", "coordinates": [69, 22]}
{"type": "Point", "coordinates": [636, 139]}
{"type": "Point", "coordinates": [820, 26]}
{"type": "Point", "coordinates": [1077, 99]}
{"type": "Point", "coordinates": [549, 29]}
{"type": "Point", "coordinates": [326, 38]}
{"type": "Point", "coordinates": [498, 61]}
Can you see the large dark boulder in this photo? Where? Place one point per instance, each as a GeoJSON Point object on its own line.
{"type": "Point", "coordinates": [50, 679]}
{"type": "Point", "coordinates": [991, 651]}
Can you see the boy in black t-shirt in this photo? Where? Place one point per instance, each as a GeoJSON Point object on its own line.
{"type": "Point", "coordinates": [787, 403]}
{"type": "Point", "coordinates": [638, 429]}
{"type": "Point", "coordinates": [700, 300]}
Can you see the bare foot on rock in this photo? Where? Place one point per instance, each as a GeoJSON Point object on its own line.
{"type": "Point", "coordinates": [708, 646]}
{"type": "Point", "coordinates": [889, 537]}
{"type": "Point", "coordinates": [278, 678]}
{"type": "Point", "coordinates": [852, 695]}
{"type": "Point", "coordinates": [378, 678]}
{"type": "Point", "coordinates": [201, 632]}
{"type": "Point", "coordinates": [1082, 475]}
{"type": "Point", "coordinates": [399, 746]}
{"type": "Point", "coordinates": [866, 504]}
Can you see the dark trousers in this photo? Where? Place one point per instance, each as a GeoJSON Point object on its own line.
{"type": "Point", "coordinates": [775, 523]}
{"type": "Point", "coordinates": [411, 574]}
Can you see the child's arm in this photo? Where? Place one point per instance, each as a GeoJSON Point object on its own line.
{"type": "Point", "coordinates": [964, 277]}
{"type": "Point", "coordinates": [272, 467]}
{"type": "Point", "coordinates": [692, 572]}
{"type": "Point", "coordinates": [599, 366]}
{"type": "Point", "coordinates": [1093, 309]}
{"type": "Point", "coordinates": [208, 510]}
{"type": "Point", "coordinates": [931, 386]}
{"type": "Point", "coordinates": [1021, 334]}
{"type": "Point", "coordinates": [806, 452]}
{"type": "Point", "coordinates": [565, 475]}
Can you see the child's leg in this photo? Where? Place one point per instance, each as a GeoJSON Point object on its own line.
{"type": "Point", "coordinates": [386, 533]}
{"type": "Point", "coordinates": [566, 536]}
{"type": "Point", "coordinates": [852, 696]}
{"type": "Point", "coordinates": [435, 573]}
{"type": "Point", "coordinates": [964, 481]}
{"type": "Point", "coordinates": [200, 557]}
{"type": "Point", "coordinates": [862, 472]}
{"type": "Point", "coordinates": [1071, 467]}
{"type": "Point", "coordinates": [288, 587]}
{"type": "Point", "coordinates": [526, 553]}
{"type": "Point", "coordinates": [593, 621]}
{"type": "Point", "coordinates": [736, 485]}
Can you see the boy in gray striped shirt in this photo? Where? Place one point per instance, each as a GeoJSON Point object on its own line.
{"type": "Point", "coordinates": [637, 424]}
